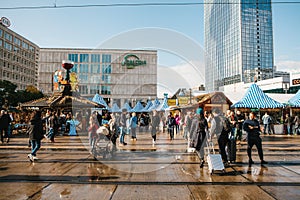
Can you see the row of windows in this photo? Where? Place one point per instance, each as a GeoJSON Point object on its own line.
{"type": "Point", "coordinates": [17, 77]}
{"type": "Point", "coordinates": [103, 89]}
{"type": "Point", "coordinates": [85, 78]}
{"type": "Point", "coordinates": [92, 68]}
{"type": "Point", "coordinates": [16, 68]}
{"type": "Point", "coordinates": [93, 58]}
{"type": "Point", "coordinates": [18, 59]}
{"type": "Point", "coordinates": [9, 37]}
{"type": "Point", "coordinates": [9, 47]}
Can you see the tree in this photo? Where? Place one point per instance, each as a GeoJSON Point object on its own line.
{"type": "Point", "coordinates": [32, 89]}
{"type": "Point", "coordinates": [10, 97]}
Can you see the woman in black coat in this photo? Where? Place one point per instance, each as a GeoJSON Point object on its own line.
{"type": "Point", "coordinates": [198, 135]}
{"type": "Point", "coordinates": [35, 132]}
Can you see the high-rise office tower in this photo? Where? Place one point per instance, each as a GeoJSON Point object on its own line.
{"type": "Point", "coordinates": [238, 41]}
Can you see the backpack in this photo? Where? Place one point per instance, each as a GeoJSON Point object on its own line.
{"type": "Point", "coordinates": [171, 121]}
{"type": "Point", "coordinates": [226, 125]}
{"type": "Point", "coordinates": [223, 125]}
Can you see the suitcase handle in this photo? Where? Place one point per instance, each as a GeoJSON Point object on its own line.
{"type": "Point", "coordinates": [210, 146]}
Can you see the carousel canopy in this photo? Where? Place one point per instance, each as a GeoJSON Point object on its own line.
{"type": "Point", "coordinates": [256, 98]}
{"type": "Point", "coordinates": [59, 100]}
{"type": "Point", "coordinates": [115, 108]}
{"type": "Point", "coordinates": [295, 100]}
{"type": "Point", "coordinates": [138, 107]}
{"type": "Point", "coordinates": [99, 99]}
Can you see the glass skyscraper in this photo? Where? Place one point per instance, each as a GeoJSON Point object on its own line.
{"type": "Point", "coordinates": [238, 41]}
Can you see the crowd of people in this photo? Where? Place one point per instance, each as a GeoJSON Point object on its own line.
{"type": "Point", "coordinates": [198, 127]}
{"type": "Point", "coordinates": [203, 126]}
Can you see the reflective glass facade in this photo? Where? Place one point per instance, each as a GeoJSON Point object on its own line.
{"type": "Point", "coordinates": [238, 41]}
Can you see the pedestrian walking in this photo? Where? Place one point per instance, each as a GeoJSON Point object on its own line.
{"type": "Point", "coordinates": [251, 126]}
{"type": "Point", "coordinates": [187, 125]}
{"type": "Point", "coordinates": [133, 126]}
{"type": "Point", "coordinates": [297, 125]}
{"type": "Point", "coordinates": [35, 131]}
{"type": "Point", "coordinates": [177, 120]}
{"type": "Point", "coordinates": [92, 130]}
{"type": "Point", "coordinates": [4, 124]}
{"type": "Point", "coordinates": [266, 121]}
{"type": "Point", "coordinates": [122, 127]}
{"type": "Point", "coordinates": [287, 124]}
{"type": "Point", "coordinates": [221, 127]}
{"type": "Point", "coordinates": [171, 124]}
{"type": "Point", "coordinates": [199, 128]}
{"type": "Point", "coordinates": [154, 125]}
{"type": "Point", "coordinates": [239, 127]}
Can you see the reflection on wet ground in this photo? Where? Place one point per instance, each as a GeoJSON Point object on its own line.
{"type": "Point", "coordinates": [141, 170]}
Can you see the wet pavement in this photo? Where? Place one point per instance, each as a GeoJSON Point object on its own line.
{"type": "Point", "coordinates": [141, 170]}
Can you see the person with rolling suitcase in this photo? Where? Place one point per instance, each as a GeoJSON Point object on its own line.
{"type": "Point", "coordinates": [221, 127]}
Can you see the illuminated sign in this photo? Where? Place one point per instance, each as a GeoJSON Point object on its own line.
{"type": "Point", "coordinates": [296, 81]}
{"type": "Point", "coordinates": [5, 21]}
{"type": "Point", "coordinates": [131, 61]}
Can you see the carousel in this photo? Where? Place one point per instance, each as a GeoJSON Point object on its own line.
{"type": "Point", "coordinates": [66, 99]}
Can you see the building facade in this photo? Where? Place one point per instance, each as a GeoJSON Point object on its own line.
{"type": "Point", "coordinates": [117, 75]}
{"type": "Point", "coordinates": [18, 58]}
{"type": "Point", "coordinates": [238, 42]}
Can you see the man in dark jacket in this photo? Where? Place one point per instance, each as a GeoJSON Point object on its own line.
{"type": "Point", "coordinates": [252, 127]}
{"type": "Point", "coordinates": [4, 123]}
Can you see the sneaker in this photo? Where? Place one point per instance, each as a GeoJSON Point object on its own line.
{"type": "Point", "coordinates": [153, 141]}
{"type": "Point", "coordinates": [124, 143]}
{"type": "Point", "coordinates": [34, 158]}
{"type": "Point", "coordinates": [30, 157]}
{"type": "Point", "coordinates": [263, 162]}
{"type": "Point", "coordinates": [7, 141]}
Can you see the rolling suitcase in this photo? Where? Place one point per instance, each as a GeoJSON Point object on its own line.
{"type": "Point", "coordinates": [214, 160]}
{"type": "Point", "coordinates": [231, 149]}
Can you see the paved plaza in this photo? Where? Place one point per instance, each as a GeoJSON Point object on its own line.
{"type": "Point", "coordinates": [141, 170]}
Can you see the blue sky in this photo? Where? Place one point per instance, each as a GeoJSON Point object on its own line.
{"type": "Point", "coordinates": [89, 27]}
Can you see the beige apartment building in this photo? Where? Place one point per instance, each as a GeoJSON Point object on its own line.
{"type": "Point", "coordinates": [18, 57]}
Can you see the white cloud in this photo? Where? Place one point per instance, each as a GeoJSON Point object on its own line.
{"type": "Point", "coordinates": [187, 75]}
{"type": "Point", "coordinates": [289, 66]}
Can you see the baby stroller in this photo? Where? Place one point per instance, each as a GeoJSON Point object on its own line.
{"type": "Point", "coordinates": [104, 144]}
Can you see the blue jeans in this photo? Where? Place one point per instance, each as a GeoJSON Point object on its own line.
{"type": "Point", "coordinates": [267, 126]}
{"type": "Point", "coordinates": [122, 134]}
{"type": "Point", "coordinates": [35, 146]}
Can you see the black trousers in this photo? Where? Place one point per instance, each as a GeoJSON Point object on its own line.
{"type": "Point", "coordinates": [223, 141]}
{"type": "Point", "coordinates": [257, 142]}
{"type": "Point", "coordinates": [5, 131]}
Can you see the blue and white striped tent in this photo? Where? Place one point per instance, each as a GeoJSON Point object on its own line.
{"type": "Point", "coordinates": [148, 105]}
{"type": "Point", "coordinates": [138, 107]}
{"type": "Point", "coordinates": [163, 106]}
{"type": "Point", "coordinates": [256, 98]}
{"type": "Point", "coordinates": [295, 100]}
{"type": "Point", "coordinates": [98, 99]}
{"type": "Point", "coordinates": [127, 107]}
{"type": "Point", "coordinates": [115, 108]}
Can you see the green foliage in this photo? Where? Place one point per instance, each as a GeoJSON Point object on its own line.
{"type": "Point", "coordinates": [9, 95]}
